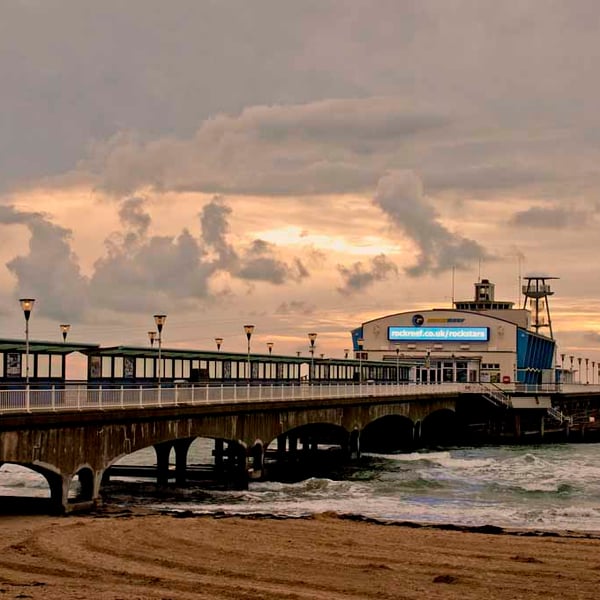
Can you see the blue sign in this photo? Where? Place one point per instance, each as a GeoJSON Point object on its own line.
{"type": "Point", "coordinates": [439, 334]}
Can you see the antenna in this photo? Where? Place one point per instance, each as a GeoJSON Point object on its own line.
{"type": "Point", "coordinates": [519, 257]}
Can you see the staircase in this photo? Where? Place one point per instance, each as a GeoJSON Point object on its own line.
{"type": "Point", "coordinates": [559, 416]}
{"type": "Point", "coordinates": [496, 396]}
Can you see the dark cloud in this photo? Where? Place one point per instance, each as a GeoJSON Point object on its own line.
{"type": "Point", "coordinates": [295, 307]}
{"type": "Point", "coordinates": [49, 271]}
{"type": "Point", "coordinates": [132, 214]}
{"type": "Point", "coordinates": [400, 196]}
{"type": "Point", "coordinates": [330, 146]}
{"type": "Point", "coordinates": [139, 272]}
{"type": "Point", "coordinates": [360, 276]}
{"type": "Point", "coordinates": [260, 263]}
{"type": "Point", "coordinates": [551, 218]}
{"type": "Point", "coordinates": [214, 227]}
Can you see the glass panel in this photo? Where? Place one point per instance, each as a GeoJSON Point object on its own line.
{"type": "Point", "coordinates": [149, 371]}
{"type": "Point", "coordinates": [168, 368]}
{"type": "Point", "coordinates": [139, 367]}
{"type": "Point", "coordinates": [55, 366]}
{"type": "Point", "coordinates": [44, 365]}
{"type": "Point", "coordinates": [185, 369]}
{"type": "Point", "coordinates": [106, 366]}
{"type": "Point", "coordinates": [178, 368]}
{"type": "Point", "coordinates": [118, 366]}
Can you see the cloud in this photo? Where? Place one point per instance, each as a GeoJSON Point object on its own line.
{"type": "Point", "coordinates": [49, 271]}
{"type": "Point", "coordinates": [400, 196]}
{"type": "Point", "coordinates": [295, 307]}
{"type": "Point", "coordinates": [260, 263]}
{"type": "Point", "coordinates": [358, 276]}
{"type": "Point", "coordinates": [555, 217]}
{"type": "Point", "coordinates": [334, 145]}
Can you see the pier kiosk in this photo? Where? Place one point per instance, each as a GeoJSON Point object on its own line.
{"type": "Point", "coordinates": [47, 362]}
{"type": "Point", "coordinates": [479, 340]}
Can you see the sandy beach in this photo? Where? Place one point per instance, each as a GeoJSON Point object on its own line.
{"type": "Point", "coordinates": [144, 555]}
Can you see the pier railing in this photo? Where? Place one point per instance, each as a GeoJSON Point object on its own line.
{"type": "Point", "coordinates": [81, 397]}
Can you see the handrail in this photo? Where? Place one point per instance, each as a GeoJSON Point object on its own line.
{"type": "Point", "coordinates": [79, 398]}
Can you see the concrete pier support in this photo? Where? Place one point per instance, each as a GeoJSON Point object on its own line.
{"type": "Point", "coordinates": [163, 452]}
{"type": "Point", "coordinates": [281, 447]}
{"type": "Point", "coordinates": [417, 431]}
{"type": "Point", "coordinates": [182, 448]}
{"type": "Point", "coordinates": [517, 425]}
{"type": "Point", "coordinates": [257, 466]}
{"type": "Point", "coordinates": [354, 444]}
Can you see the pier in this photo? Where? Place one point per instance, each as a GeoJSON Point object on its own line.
{"type": "Point", "coordinates": [76, 434]}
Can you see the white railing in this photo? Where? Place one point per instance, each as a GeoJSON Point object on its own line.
{"type": "Point", "coordinates": [80, 397]}
{"type": "Point", "coordinates": [559, 416]}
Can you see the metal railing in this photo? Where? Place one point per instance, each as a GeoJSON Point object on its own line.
{"type": "Point", "coordinates": [559, 416]}
{"type": "Point", "coordinates": [81, 397]}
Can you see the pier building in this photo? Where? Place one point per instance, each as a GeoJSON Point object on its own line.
{"type": "Point", "coordinates": [482, 339]}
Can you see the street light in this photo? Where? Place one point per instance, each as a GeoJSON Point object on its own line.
{"type": "Point", "coordinates": [311, 338]}
{"type": "Point", "coordinates": [27, 306]}
{"type": "Point", "coordinates": [397, 365]}
{"type": "Point", "coordinates": [249, 329]}
{"type": "Point", "coordinates": [152, 337]}
{"type": "Point", "coordinates": [360, 343]}
{"type": "Point", "coordinates": [579, 368]}
{"type": "Point", "coordinates": [587, 370]}
{"type": "Point", "coordinates": [64, 328]}
{"type": "Point", "coordinates": [218, 341]}
{"type": "Point", "coordinates": [270, 347]}
{"type": "Point", "coordinates": [160, 321]}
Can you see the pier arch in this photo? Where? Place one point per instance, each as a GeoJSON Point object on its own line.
{"type": "Point", "coordinates": [387, 434]}
{"type": "Point", "coordinates": [440, 428]}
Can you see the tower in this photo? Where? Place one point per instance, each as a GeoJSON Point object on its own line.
{"type": "Point", "coordinates": [536, 291]}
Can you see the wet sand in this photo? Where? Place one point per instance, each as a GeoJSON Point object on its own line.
{"type": "Point", "coordinates": [144, 555]}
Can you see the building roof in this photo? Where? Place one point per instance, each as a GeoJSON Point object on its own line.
{"type": "Point", "coordinates": [44, 347]}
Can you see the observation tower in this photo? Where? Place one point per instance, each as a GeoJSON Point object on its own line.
{"type": "Point", "coordinates": [536, 293]}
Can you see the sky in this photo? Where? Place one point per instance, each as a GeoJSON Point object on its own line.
{"type": "Point", "coordinates": [302, 166]}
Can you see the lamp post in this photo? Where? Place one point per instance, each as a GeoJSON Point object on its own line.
{"type": "Point", "coordinates": [218, 341]}
{"type": "Point", "coordinates": [27, 306]}
{"type": "Point", "coordinates": [360, 343]}
{"type": "Point", "coordinates": [249, 329]}
{"type": "Point", "coordinates": [593, 370]}
{"type": "Point", "coordinates": [152, 337]}
{"type": "Point", "coordinates": [160, 321]}
{"type": "Point", "coordinates": [397, 365]}
{"type": "Point", "coordinates": [587, 370]}
{"type": "Point", "coordinates": [64, 328]}
{"type": "Point", "coordinates": [579, 368]}
{"type": "Point", "coordinates": [312, 338]}
{"type": "Point", "coordinates": [270, 347]}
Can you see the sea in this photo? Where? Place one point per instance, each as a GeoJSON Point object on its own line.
{"type": "Point", "coordinates": [548, 487]}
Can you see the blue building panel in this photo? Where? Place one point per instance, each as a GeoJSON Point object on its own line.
{"type": "Point", "coordinates": [534, 355]}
